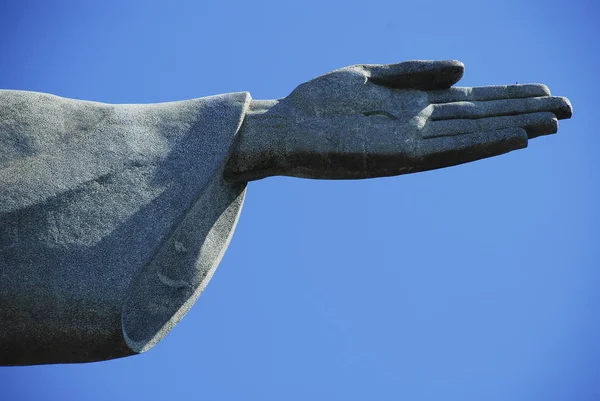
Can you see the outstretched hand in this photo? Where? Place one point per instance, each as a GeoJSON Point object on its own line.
{"type": "Point", "coordinates": [368, 121]}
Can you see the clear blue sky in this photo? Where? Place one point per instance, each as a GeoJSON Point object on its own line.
{"type": "Point", "coordinates": [477, 282]}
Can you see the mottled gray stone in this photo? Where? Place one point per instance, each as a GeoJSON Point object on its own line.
{"type": "Point", "coordinates": [113, 218]}
{"type": "Point", "coordinates": [367, 121]}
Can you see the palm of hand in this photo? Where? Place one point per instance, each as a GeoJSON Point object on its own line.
{"type": "Point", "coordinates": [400, 118]}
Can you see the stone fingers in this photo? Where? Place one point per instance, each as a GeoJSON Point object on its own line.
{"type": "Point", "coordinates": [482, 93]}
{"type": "Point", "coordinates": [416, 74]}
{"type": "Point", "coordinates": [560, 106]}
{"type": "Point", "coordinates": [535, 124]}
{"type": "Point", "coordinates": [452, 150]}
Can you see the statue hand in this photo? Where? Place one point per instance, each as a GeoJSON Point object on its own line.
{"type": "Point", "coordinates": [368, 121]}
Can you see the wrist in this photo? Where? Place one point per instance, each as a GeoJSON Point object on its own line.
{"type": "Point", "coordinates": [260, 146]}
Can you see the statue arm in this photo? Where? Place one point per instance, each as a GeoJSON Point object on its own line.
{"type": "Point", "coordinates": [368, 121]}
{"type": "Point", "coordinates": [260, 149]}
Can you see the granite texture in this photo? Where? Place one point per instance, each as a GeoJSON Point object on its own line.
{"type": "Point", "coordinates": [367, 121]}
{"type": "Point", "coordinates": [113, 218]}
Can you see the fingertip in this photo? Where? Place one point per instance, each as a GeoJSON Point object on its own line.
{"type": "Point", "coordinates": [545, 90]}
{"type": "Point", "coordinates": [445, 73]}
{"type": "Point", "coordinates": [548, 127]}
{"type": "Point", "coordinates": [456, 65]}
{"type": "Point", "coordinates": [565, 110]}
{"type": "Point", "coordinates": [520, 137]}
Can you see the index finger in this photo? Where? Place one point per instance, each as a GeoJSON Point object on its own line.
{"type": "Point", "coordinates": [495, 92]}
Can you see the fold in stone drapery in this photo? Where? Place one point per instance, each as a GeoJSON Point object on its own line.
{"type": "Point", "coordinates": [112, 220]}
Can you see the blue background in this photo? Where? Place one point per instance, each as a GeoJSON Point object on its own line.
{"type": "Point", "coordinates": [477, 282]}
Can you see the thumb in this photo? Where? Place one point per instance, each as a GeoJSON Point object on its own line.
{"type": "Point", "coordinates": [416, 74]}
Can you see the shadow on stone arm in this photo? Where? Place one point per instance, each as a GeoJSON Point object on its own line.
{"type": "Point", "coordinates": [113, 218]}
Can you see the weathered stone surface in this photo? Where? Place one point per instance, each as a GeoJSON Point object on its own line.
{"type": "Point", "coordinates": [113, 218]}
{"type": "Point", "coordinates": [367, 121]}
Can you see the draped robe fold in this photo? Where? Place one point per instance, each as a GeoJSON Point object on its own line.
{"type": "Point", "coordinates": [113, 219]}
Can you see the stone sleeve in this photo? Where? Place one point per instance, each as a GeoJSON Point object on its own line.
{"type": "Point", "coordinates": [112, 220]}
